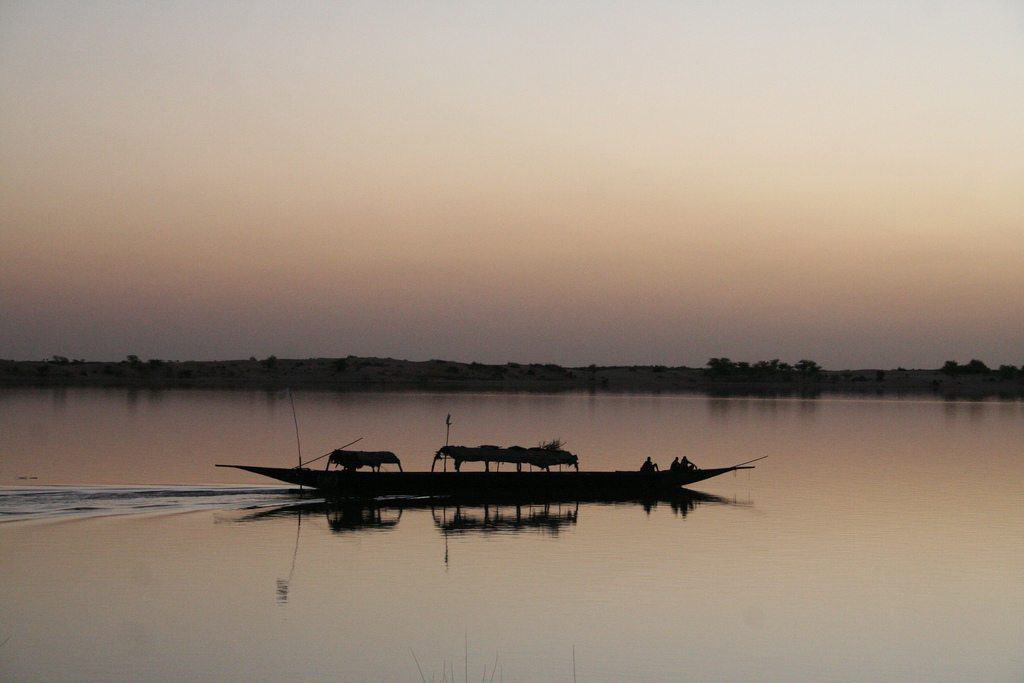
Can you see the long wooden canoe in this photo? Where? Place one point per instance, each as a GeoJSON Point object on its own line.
{"type": "Point", "coordinates": [560, 485]}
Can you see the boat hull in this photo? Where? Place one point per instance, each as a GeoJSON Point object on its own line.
{"type": "Point", "coordinates": [539, 485]}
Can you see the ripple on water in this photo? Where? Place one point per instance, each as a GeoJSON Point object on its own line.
{"type": "Point", "coordinates": [20, 503]}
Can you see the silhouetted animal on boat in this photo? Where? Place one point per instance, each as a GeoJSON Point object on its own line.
{"type": "Point", "coordinates": [543, 458]}
{"type": "Point", "coordinates": [353, 460]}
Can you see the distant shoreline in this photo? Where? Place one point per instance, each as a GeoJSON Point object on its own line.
{"type": "Point", "coordinates": [361, 373]}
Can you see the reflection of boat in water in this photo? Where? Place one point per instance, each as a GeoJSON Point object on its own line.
{"type": "Point", "coordinates": [549, 517]}
{"type": "Point", "coordinates": [341, 517]}
{"type": "Point", "coordinates": [464, 516]}
{"type": "Point", "coordinates": [353, 518]}
{"type": "Point", "coordinates": [475, 514]}
{"type": "Point", "coordinates": [511, 485]}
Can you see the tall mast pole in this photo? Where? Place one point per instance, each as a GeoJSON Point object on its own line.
{"type": "Point", "coordinates": [447, 434]}
{"type": "Point", "coordinates": [295, 419]}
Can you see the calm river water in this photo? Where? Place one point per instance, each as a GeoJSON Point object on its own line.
{"type": "Point", "coordinates": [881, 540]}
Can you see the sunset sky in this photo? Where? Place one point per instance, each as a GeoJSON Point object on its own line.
{"type": "Point", "coordinates": [522, 181]}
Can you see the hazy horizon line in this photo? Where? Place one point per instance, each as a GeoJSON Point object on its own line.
{"type": "Point", "coordinates": [61, 359]}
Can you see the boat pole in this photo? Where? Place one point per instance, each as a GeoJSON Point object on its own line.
{"type": "Point", "coordinates": [321, 457]}
{"type": "Point", "coordinates": [447, 435]}
{"type": "Point", "coordinates": [295, 419]}
{"type": "Point", "coordinates": [750, 461]}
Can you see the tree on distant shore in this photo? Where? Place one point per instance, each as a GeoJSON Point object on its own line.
{"type": "Point", "coordinates": [974, 367]}
{"type": "Point", "coordinates": [1008, 371]}
{"type": "Point", "coordinates": [763, 369]}
{"type": "Point", "coordinates": [720, 367]}
{"type": "Point", "coordinates": [807, 367]}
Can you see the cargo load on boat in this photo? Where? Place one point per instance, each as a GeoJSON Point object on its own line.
{"type": "Point", "coordinates": [540, 457]}
{"type": "Point", "coordinates": [353, 460]}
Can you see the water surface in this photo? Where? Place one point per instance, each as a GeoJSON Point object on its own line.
{"type": "Point", "coordinates": [883, 539]}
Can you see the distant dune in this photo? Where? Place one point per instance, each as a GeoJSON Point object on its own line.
{"type": "Point", "coordinates": [720, 376]}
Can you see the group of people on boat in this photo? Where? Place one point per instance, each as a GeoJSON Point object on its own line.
{"type": "Point", "coordinates": [684, 465]}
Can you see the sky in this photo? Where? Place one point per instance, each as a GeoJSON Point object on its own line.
{"type": "Point", "coordinates": [576, 183]}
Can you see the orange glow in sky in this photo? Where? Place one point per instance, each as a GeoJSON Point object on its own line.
{"type": "Point", "coordinates": [573, 183]}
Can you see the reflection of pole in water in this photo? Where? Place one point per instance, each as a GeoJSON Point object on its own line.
{"type": "Point", "coordinates": [444, 518]}
{"type": "Point", "coordinates": [283, 584]}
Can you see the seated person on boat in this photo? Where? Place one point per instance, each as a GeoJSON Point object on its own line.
{"type": "Point", "coordinates": [649, 466]}
{"type": "Point", "coordinates": [544, 458]}
{"type": "Point", "coordinates": [685, 465]}
{"type": "Point", "coordinates": [353, 460]}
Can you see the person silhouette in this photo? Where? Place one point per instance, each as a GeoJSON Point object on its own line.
{"type": "Point", "coordinates": [648, 466]}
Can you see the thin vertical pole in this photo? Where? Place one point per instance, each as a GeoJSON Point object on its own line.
{"type": "Point", "coordinates": [447, 435]}
{"type": "Point", "coordinates": [295, 419]}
